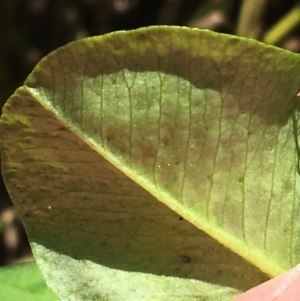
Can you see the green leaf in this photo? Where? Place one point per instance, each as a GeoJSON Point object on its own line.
{"type": "Point", "coordinates": [23, 282]}
{"type": "Point", "coordinates": [108, 130]}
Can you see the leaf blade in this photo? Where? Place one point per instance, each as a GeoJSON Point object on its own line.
{"type": "Point", "coordinates": [252, 124]}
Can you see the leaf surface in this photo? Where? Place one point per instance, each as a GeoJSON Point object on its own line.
{"type": "Point", "coordinates": [113, 140]}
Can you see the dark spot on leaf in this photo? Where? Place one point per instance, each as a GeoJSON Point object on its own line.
{"type": "Point", "coordinates": [109, 135]}
{"type": "Point", "coordinates": [180, 218]}
{"type": "Point", "coordinates": [241, 179]}
{"type": "Point", "coordinates": [165, 141]}
{"type": "Point", "coordinates": [184, 258]}
{"type": "Point", "coordinates": [148, 150]}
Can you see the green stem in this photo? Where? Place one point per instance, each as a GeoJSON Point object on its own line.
{"type": "Point", "coordinates": [280, 30]}
{"type": "Point", "coordinates": [249, 23]}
